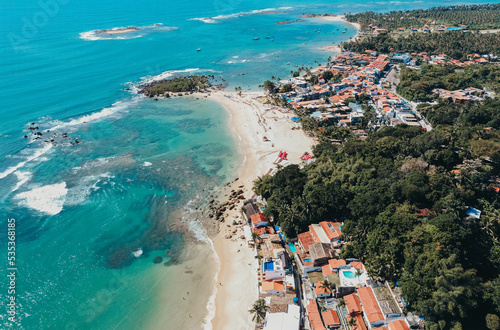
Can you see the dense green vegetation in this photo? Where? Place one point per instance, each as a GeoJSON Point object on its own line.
{"type": "Point", "coordinates": [484, 16]}
{"type": "Point", "coordinates": [448, 113]}
{"type": "Point", "coordinates": [456, 44]}
{"type": "Point", "coordinates": [417, 85]}
{"type": "Point", "coordinates": [177, 85]}
{"type": "Point", "coordinates": [447, 264]}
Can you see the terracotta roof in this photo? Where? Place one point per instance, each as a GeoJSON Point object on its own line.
{"type": "Point", "coordinates": [357, 265]}
{"type": "Point", "coordinates": [271, 285]}
{"type": "Point", "coordinates": [424, 212]}
{"type": "Point", "coordinates": [398, 325]}
{"type": "Point", "coordinates": [331, 318]}
{"type": "Point", "coordinates": [258, 217]}
{"type": "Point", "coordinates": [330, 230]}
{"type": "Point", "coordinates": [326, 270]}
{"type": "Point", "coordinates": [306, 239]}
{"type": "Point", "coordinates": [370, 304]}
{"type": "Point", "coordinates": [319, 290]}
{"type": "Point", "coordinates": [360, 323]}
{"type": "Point", "coordinates": [314, 316]}
{"type": "Point", "coordinates": [336, 263]}
{"type": "Point", "coordinates": [352, 303]}
{"type": "Point", "coordinates": [263, 230]}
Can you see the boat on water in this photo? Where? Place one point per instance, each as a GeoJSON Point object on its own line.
{"type": "Point", "coordinates": [267, 37]}
{"type": "Point", "coordinates": [198, 50]}
{"type": "Point", "coordinates": [256, 38]}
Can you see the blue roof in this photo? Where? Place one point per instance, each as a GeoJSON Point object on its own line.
{"type": "Point", "coordinates": [316, 114]}
{"type": "Point", "coordinates": [475, 213]}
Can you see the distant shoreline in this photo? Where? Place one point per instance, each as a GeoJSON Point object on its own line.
{"type": "Point", "coordinates": [335, 18]}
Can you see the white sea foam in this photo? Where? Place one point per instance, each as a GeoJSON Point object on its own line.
{"type": "Point", "coordinates": [218, 18]}
{"type": "Point", "coordinates": [165, 75]}
{"type": "Point", "coordinates": [47, 199]}
{"type": "Point", "coordinates": [22, 178]}
{"type": "Point", "coordinates": [141, 32]}
{"type": "Point", "coordinates": [105, 112]}
{"type": "Point", "coordinates": [34, 156]}
{"type": "Point", "coordinates": [201, 234]}
{"type": "Point", "coordinates": [78, 193]}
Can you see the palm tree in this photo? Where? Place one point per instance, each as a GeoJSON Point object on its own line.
{"type": "Point", "coordinates": [326, 286]}
{"type": "Point", "coordinates": [255, 237]}
{"type": "Point", "coordinates": [358, 272]}
{"type": "Point", "coordinates": [351, 322]}
{"type": "Point", "coordinates": [341, 303]}
{"type": "Point", "coordinates": [259, 311]}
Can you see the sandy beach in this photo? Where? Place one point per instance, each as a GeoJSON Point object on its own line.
{"type": "Point", "coordinates": [237, 287]}
{"type": "Point", "coordinates": [338, 18]}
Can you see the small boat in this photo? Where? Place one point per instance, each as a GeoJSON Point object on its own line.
{"type": "Point", "coordinates": [256, 38]}
{"type": "Point", "coordinates": [267, 37]}
{"type": "Point", "coordinates": [198, 50]}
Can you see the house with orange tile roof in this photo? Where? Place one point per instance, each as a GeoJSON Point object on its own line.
{"type": "Point", "coordinates": [334, 264]}
{"type": "Point", "coordinates": [357, 265]}
{"type": "Point", "coordinates": [259, 220]}
{"type": "Point", "coordinates": [331, 229]}
{"type": "Point", "coordinates": [360, 323]}
{"type": "Point", "coordinates": [399, 325]}
{"type": "Point", "coordinates": [326, 270]}
{"type": "Point", "coordinates": [353, 304]}
{"type": "Point", "coordinates": [321, 292]}
{"type": "Point", "coordinates": [314, 316]}
{"type": "Point", "coordinates": [273, 287]}
{"type": "Point", "coordinates": [263, 232]}
{"type": "Point", "coordinates": [371, 308]}
{"type": "Point", "coordinates": [331, 319]}
{"type": "Point", "coordinates": [305, 240]}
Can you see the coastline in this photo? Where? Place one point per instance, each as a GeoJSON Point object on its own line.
{"type": "Point", "coordinates": [237, 281]}
{"type": "Point", "coordinates": [338, 18]}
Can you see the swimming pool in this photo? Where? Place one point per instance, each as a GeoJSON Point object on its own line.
{"type": "Point", "coordinates": [268, 266]}
{"type": "Point", "coordinates": [292, 247]}
{"type": "Point", "coordinates": [349, 274]}
{"type": "Point", "coordinates": [307, 260]}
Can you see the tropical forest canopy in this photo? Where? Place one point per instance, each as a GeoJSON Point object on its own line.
{"type": "Point", "coordinates": [447, 263]}
{"type": "Point", "coordinates": [485, 16]}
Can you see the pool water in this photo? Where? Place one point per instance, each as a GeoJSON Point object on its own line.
{"type": "Point", "coordinates": [268, 266]}
{"type": "Point", "coordinates": [307, 260]}
{"type": "Point", "coordinates": [292, 248]}
{"type": "Point", "coordinates": [349, 274]}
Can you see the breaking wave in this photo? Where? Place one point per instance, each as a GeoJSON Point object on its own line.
{"type": "Point", "coordinates": [130, 32]}
{"type": "Point", "coordinates": [47, 199]}
{"type": "Point", "coordinates": [218, 18]}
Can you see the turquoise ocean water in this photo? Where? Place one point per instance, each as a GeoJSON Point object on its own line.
{"type": "Point", "coordinates": [90, 217]}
